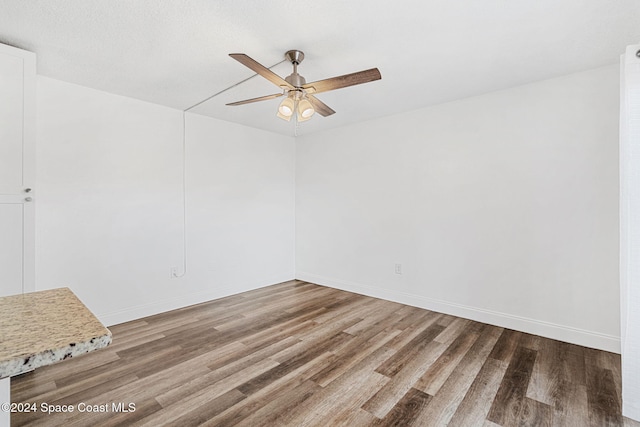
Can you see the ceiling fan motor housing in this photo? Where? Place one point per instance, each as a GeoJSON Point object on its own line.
{"type": "Point", "coordinates": [295, 80]}
{"type": "Point", "coordinates": [295, 57]}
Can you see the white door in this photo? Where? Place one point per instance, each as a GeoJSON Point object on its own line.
{"type": "Point", "coordinates": [11, 249]}
{"type": "Point", "coordinates": [17, 143]}
{"type": "Point", "coordinates": [11, 123]}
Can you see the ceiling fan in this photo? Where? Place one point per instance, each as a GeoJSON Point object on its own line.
{"type": "Point", "coordinates": [299, 95]}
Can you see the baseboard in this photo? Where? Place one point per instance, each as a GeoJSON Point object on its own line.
{"type": "Point", "coordinates": [175, 302]}
{"type": "Point", "coordinates": [532, 326]}
{"type": "Point", "coordinates": [630, 409]}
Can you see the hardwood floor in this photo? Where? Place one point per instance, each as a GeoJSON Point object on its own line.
{"type": "Point", "coordinates": [298, 354]}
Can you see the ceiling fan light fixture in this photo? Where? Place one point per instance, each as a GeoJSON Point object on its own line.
{"type": "Point", "coordinates": [286, 108]}
{"type": "Point", "coordinates": [283, 117]}
{"type": "Point", "coordinates": [305, 110]}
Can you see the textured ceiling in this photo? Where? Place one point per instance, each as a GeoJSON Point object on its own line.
{"type": "Point", "coordinates": [175, 53]}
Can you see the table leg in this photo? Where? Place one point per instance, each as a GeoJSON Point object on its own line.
{"type": "Point", "coordinates": [5, 397]}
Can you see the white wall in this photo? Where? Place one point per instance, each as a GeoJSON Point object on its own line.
{"type": "Point", "coordinates": [109, 203]}
{"type": "Point", "coordinates": [501, 208]}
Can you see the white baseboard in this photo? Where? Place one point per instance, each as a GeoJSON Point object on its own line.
{"type": "Point", "coordinates": [532, 326]}
{"type": "Point", "coordinates": [173, 303]}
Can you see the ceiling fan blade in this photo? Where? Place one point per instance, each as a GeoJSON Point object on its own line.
{"type": "Point", "coordinates": [343, 81]}
{"type": "Point", "coordinates": [322, 108]}
{"type": "Point", "coordinates": [261, 98]}
{"type": "Point", "coordinates": [261, 69]}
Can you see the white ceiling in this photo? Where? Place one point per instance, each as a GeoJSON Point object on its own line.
{"type": "Point", "coordinates": [175, 53]}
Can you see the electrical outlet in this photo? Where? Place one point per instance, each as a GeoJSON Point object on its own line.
{"type": "Point", "coordinates": [398, 268]}
{"type": "Point", "coordinates": [173, 272]}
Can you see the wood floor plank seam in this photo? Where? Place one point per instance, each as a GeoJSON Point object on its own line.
{"type": "Point", "coordinates": [298, 354]}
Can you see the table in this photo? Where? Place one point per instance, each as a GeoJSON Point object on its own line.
{"type": "Point", "coordinates": [42, 328]}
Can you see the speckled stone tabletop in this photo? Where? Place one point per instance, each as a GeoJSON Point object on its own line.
{"type": "Point", "coordinates": [41, 328]}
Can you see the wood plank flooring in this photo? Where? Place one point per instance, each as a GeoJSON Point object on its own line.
{"type": "Point", "coordinates": [299, 354]}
